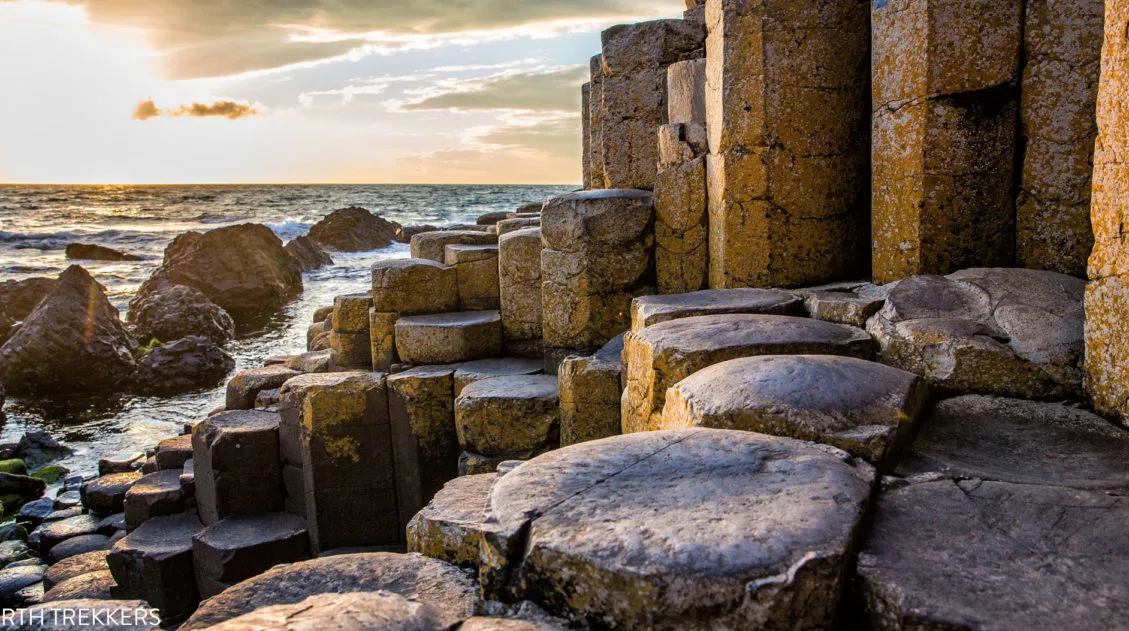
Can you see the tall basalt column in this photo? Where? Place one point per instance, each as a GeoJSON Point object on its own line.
{"type": "Point", "coordinates": [594, 177]}
{"type": "Point", "coordinates": [586, 133]}
{"type": "Point", "coordinates": [1107, 295]}
{"type": "Point", "coordinates": [786, 106]}
{"type": "Point", "coordinates": [944, 129]}
{"type": "Point", "coordinates": [1062, 48]}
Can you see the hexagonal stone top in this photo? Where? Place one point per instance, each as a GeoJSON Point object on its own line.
{"type": "Point", "coordinates": [690, 529]}
{"type": "Point", "coordinates": [648, 310]}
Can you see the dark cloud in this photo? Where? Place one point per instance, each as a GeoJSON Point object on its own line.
{"type": "Point", "coordinates": [556, 90]}
{"type": "Point", "coordinates": [232, 110]}
{"type": "Point", "coordinates": [199, 38]}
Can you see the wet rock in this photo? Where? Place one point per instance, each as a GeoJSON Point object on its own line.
{"type": "Point", "coordinates": [432, 245]}
{"type": "Point", "coordinates": [24, 486]}
{"type": "Point", "coordinates": [106, 495]}
{"type": "Point", "coordinates": [245, 386]}
{"type": "Point", "coordinates": [95, 585]}
{"type": "Point", "coordinates": [68, 499]}
{"type": "Point", "coordinates": [14, 581]}
{"type": "Point", "coordinates": [506, 416]}
{"type": "Point", "coordinates": [107, 615]}
{"type": "Point", "coordinates": [1010, 332]}
{"type": "Point", "coordinates": [154, 563]}
{"type": "Point", "coordinates": [81, 544]}
{"type": "Point", "coordinates": [308, 254]}
{"type": "Point", "coordinates": [112, 523]}
{"type": "Point", "coordinates": [37, 447]}
{"type": "Point", "coordinates": [591, 389]}
{"type": "Point", "coordinates": [121, 463]}
{"type": "Point", "coordinates": [449, 338]}
{"type": "Point", "coordinates": [376, 611]}
{"type": "Point", "coordinates": [648, 310]}
{"type": "Point", "coordinates": [14, 551]}
{"type": "Point", "coordinates": [34, 512]}
{"type": "Point", "coordinates": [845, 303]}
{"type": "Point", "coordinates": [449, 528]}
{"type": "Point", "coordinates": [76, 565]}
{"type": "Point", "coordinates": [568, 524]}
{"type": "Point", "coordinates": [74, 325]}
{"type": "Point", "coordinates": [188, 364]}
{"type": "Point", "coordinates": [354, 230]}
{"type": "Point", "coordinates": [396, 287]}
{"type": "Point", "coordinates": [237, 470]}
{"type": "Point", "coordinates": [91, 252]}
{"type": "Point", "coordinates": [164, 311]}
{"type": "Point", "coordinates": [446, 588]}
{"type": "Point", "coordinates": [154, 494]}
{"type": "Point", "coordinates": [237, 548]}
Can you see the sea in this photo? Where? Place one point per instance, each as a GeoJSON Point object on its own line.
{"type": "Point", "coordinates": [38, 221]}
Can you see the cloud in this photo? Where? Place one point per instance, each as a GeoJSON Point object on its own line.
{"type": "Point", "coordinates": [231, 110]}
{"type": "Point", "coordinates": [549, 90]}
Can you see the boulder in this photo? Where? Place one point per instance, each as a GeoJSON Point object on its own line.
{"type": "Point", "coordinates": [53, 533]}
{"type": "Point", "coordinates": [153, 495]}
{"type": "Point", "coordinates": [648, 310]}
{"type": "Point", "coordinates": [661, 355]}
{"type": "Point", "coordinates": [432, 245]}
{"type": "Point", "coordinates": [354, 230]}
{"type": "Point", "coordinates": [163, 311]}
{"type": "Point", "coordinates": [81, 615]}
{"type": "Point", "coordinates": [449, 528]}
{"type": "Point", "coordinates": [14, 551]}
{"type": "Point", "coordinates": [73, 341]}
{"type": "Point", "coordinates": [191, 363]}
{"type": "Point", "coordinates": [864, 408]}
{"type": "Point", "coordinates": [398, 287]}
{"type": "Point", "coordinates": [507, 416]}
{"type": "Point", "coordinates": [33, 513]}
{"type": "Point", "coordinates": [575, 529]}
{"type": "Point", "coordinates": [91, 252]}
{"type": "Point", "coordinates": [449, 338]}
{"type": "Point", "coordinates": [308, 254]}
{"type": "Point", "coordinates": [15, 583]}
{"type": "Point", "coordinates": [26, 487]}
{"type": "Point", "coordinates": [245, 386]}
{"type": "Point", "coordinates": [119, 463]}
{"type": "Point", "coordinates": [18, 298]}
{"type": "Point", "coordinates": [591, 389]}
{"type": "Point", "coordinates": [37, 447]}
{"type": "Point", "coordinates": [1010, 332]}
{"type": "Point", "coordinates": [95, 585]}
{"type": "Point", "coordinates": [236, 469]}
{"type": "Point", "coordinates": [243, 269]}
{"type": "Point", "coordinates": [446, 588]}
{"type": "Point", "coordinates": [106, 495]}
{"type": "Point", "coordinates": [237, 548]}
{"type": "Point", "coordinates": [75, 566]}
{"type": "Point", "coordinates": [154, 563]}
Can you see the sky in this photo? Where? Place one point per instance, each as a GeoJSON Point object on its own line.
{"type": "Point", "coordinates": [302, 91]}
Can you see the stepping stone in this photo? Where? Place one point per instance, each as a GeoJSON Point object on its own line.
{"type": "Point", "coordinates": [15, 583]}
{"type": "Point", "coordinates": [421, 407]}
{"type": "Point", "coordinates": [53, 533]}
{"type": "Point", "coordinates": [983, 555]}
{"type": "Point", "coordinates": [245, 386]}
{"type": "Point", "coordinates": [445, 587]}
{"type": "Point", "coordinates": [78, 545]}
{"type": "Point", "coordinates": [449, 528]}
{"type": "Point", "coordinates": [350, 313]}
{"type": "Point", "coordinates": [575, 529]}
{"type": "Point", "coordinates": [471, 372]}
{"type": "Point", "coordinates": [517, 223]}
{"type": "Point", "coordinates": [414, 286]}
{"type": "Point", "coordinates": [649, 310]}
{"type": "Point", "coordinates": [309, 363]}
{"type": "Point", "coordinates": [121, 463]}
{"type": "Point", "coordinates": [1009, 332]}
{"type": "Point", "coordinates": [591, 389]}
{"type": "Point", "coordinates": [861, 407]}
{"type": "Point", "coordinates": [476, 268]}
{"type": "Point", "coordinates": [153, 495]}
{"type": "Point", "coordinates": [845, 303]}
{"type": "Point", "coordinates": [449, 338]}
{"type": "Point", "coordinates": [433, 245]}
{"type": "Point", "coordinates": [106, 495]}
{"type": "Point", "coordinates": [154, 563]}
{"type": "Point", "coordinates": [94, 585]}
{"type": "Point", "coordinates": [237, 548]}
{"type": "Point", "coordinates": [172, 453]}
{"type": "Point", "coordinates": [1021, 442]}
{"type": "Point", "coordinates": [76, 565]}
{"type": "Point", "coordinates": [663, 354]}
{"type": "Point", "coordinates": [105, 615]}
{"type": "Point", "coordinates": [506, 416]}
{"type": "Point", "coordinates": [237, 469]}
{"type": "Point", "coordinates": [379, 610]}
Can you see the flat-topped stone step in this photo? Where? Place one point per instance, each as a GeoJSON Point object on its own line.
{"type": "Point", "coordinates": [449, 528]}
{"type": "Point", "coordinates": [470, 372]}
{"type": "Point", "coordinates": [1022, 442]}
{"type": "Point", "coordinates": [75, 566]}
{"type": "Point", "coordinates": [432, 245]}
{"type": "Point", "coordinates": [591, 388]}
{"type": "Point", "coordinates": [446, 588]}
{"type": "Point", "coordinates": [245, 386]}
{"type": "Point", "coordinates": [52, 533]}
{"type": "Point", "coordinates": [154, 563]}
{"type": "Point", "coordinates": [648, 310]}
{"type": "Point", "coordinates": [414, 286]}
{"type": "Point", "coordinates": [356, 610]}
{"type": "Point", "coordinates": [172, 453]}
{"type": "Point", "coordinates": [95, 585]}
{"type": "Point", "coordinates": [575, 529]}
{"type": "Point", "coordinates": [1010, 332]}
{"type": "Point", "coordinates": [78, 545]}
{"type": "Point", "coordinates": [312, 362]}
{"type": "Point", "coordinates": [350, 312]}
{"type": "Point", "coordinates": [663, 354]}
{"type": "Point", "coordinates": [845, 303]}
{"type": "Point", "coordinates": [237, 470]}
{"type": "Point", "coordinates": [236, 548]}
{"type": "Point", "coordinates": [507, 416]}
{"type": "Point", "coordinates": [106, 495]}
{"type": "Point", "coordinates": [153, 495]}
{"type": "Point", "coordinates": [449, 338]}
{"type": "Point", "coordinates": [861, 407]}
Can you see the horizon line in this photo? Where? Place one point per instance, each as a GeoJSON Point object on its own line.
{"type": "Point", "coordinates": [287, 184]}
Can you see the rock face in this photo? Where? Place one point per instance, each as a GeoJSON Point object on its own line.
{"type": "Point", "coordinates": [449, 528]}
{"type": "Point", "coordinates": [449, 590]}
{"type": "Point", "coordinates": [166, 312]}
{"type": "Point", "coordinates": [449, 338]}
{"type": "Point", "coordinates": [90, 252]}
{"type": "Point", "coordinates": [238, 548]}
{"type": "Point", "coordinates": [308, 254]}
{"type": "Point", "coordinates": [519, 283]}
{"type": "Point", "coordinates": [354, 230]}
{"type": "Point", "coordinates": [563, 531]}
{"type": "Point", "coordinates": [154, 562]}
{"type": "Point", "coordinates": [648, 310]}
{"type": "Point", "coordinates": [187, 364]}
{"type": "Point", "coordinates": [509, 416]}
{"type": "Point", "coordinates": [861, 407]}
{"type": "Point", "coordinates": [476, 268]}
{"type": "Point", "coordinates": [432, 245]}
{"type": "Point", "coordinates": [944, 135]}
{"type": "Point", "coordinates": [396, 287]}
{"type": "Point", "coordinates": [243, 269]}
{"type": "Point", "coordinates": [681, 217]}
{"type": "Point", "coordinates": [1010, 332]}
{"type": "Point", "coordinates": [73, 341]}
{"type": "Point", "coordinates": [660, 356]}
{"type": "Point", "coordinates": [237, 467]}
{"type": "Point", "coordinates": [590, 390]}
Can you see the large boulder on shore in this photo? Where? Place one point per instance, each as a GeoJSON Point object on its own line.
{"type": "Point", "coordinates": [354, 230]}
{"type": "Point", "coordinates": [90, 252]}
{"type": "Point", "coordinates": [164, 311]}
{"type": "Point", "coordinates": [73, 341]}
{"type": "Point", "coordinates": [243, 269]}
{"type": "Point", "coordinates": [18, 299]}
{"type": "Point", "coordinates": [186, 364]}
{"type": "Point", "coordinates": [308, 254]}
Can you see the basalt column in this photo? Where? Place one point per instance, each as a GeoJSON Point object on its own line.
{"type": "Point", "coordinates": [1107, 295]}
{"type": "Point", "coordinates": [786, 90]}
{"type": "Point", "coordinates": [943, 157]}
{"type": "Point", "coordinates": [1062, 47]}
{"type": "Point", "coordinates": [594, 176]}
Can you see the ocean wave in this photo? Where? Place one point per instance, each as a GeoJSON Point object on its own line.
{"type": "Point", "coordinates": [289, 229]}
{"type": "Point", "coordinates": [59, 240]}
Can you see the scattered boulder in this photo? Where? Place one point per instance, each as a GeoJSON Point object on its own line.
{"type": "Point", "coordinates": [91, 252]}
{"type": "Point", "coordinates": [187, 364]}
{"type": "Point", "coordinates": [164, 311]}
{"type": "Point", "coordinates": [24, 486]}
{"type": "Point", "coordinates": [308, 254]}
{"type": "Point", "coordinates": [73, 341]}
{"type": "Point", "coordinates": [106, 495]}
{"type": "Point", "coordinates": [380, 610]}
{"type": "Point", "coordinates": [354, 230]}
{"type": "Point", "coordinates": [37, 447]}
